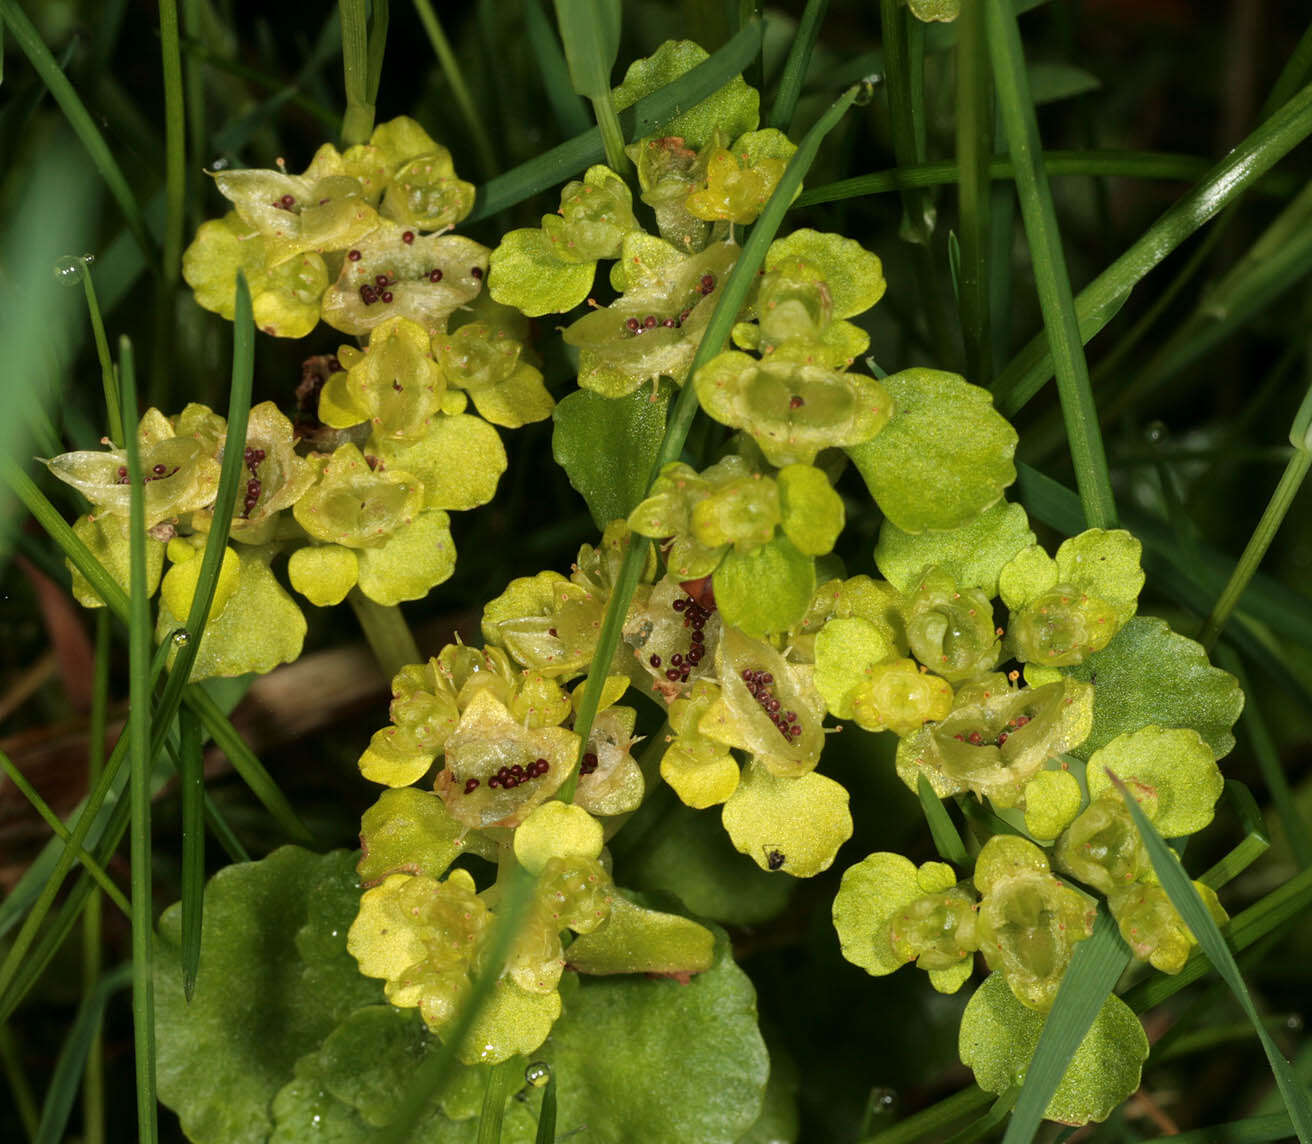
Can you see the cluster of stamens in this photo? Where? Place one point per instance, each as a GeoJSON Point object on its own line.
{"type": "Point", "coordinates": [377, 291]}
{"type": "Point", "coordinates": [694, 618]}
{"type": "Point", "coordinates": [507, 778]}
{"type": "Point", "coordinates": [589, 764]}
{"type": "Point", "coordinates": [252, 457]}
{"type": "Point", "coordinates": [975, 739]}
{"type": "Point", "coordinates": [157, 472]}
{"type": "Point", "coordinates": [634, 326]}
{"type": "Point", "coordinates": [761, 686]}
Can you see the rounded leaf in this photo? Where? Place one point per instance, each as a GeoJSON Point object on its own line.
{"type": "Point", "coordinates": [1176, 766]}
{"type": "Point", "coordinates": [459, 460]}
{"type": "Point", "coordinates": [525, 272]}
{"type": "Point", "coordinates": [871, 892]}
{"type": "Point", "coordinates": [854, 277]}
{"type": "Point", "coordinates": [766, 589]}
{"type": "Point", "coordinates": [556, 830]}
{"type": "Point", "coordinates": [790, 824]}
{"type": "Point", "coordinates": [974, 555]}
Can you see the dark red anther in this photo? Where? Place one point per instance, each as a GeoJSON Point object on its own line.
{"type": "Point", "coordinates": [476, 272]}
{"type": "Point", "coordinates": [668, 323]}
{"type": "Point", "coordinates": [493, 783]}
{"type": "Point", "coordinates": [435, 275]}
{"type": "Point", "coordinates": [353, 255]}
{"type": "Point", "coordinates": [471, 785]}
{"type": "Point", "coordinates": [287, 202]}
{"type": "Point", "coordinates": [385, 296]}
{"type": "Point", "coordinates": [708, 283]}
{"type": "Point", "coordinates": [381, 279]}
{"type": "Point", "coordinates": [701, 592]}
{"type": "Point", "coordinates": [408, 236]}
{"type": "Point", "coordinates": [159, 470]}
{"type": "Point", "coordinates": [649, 322]}
{"type": "Point", "coordinates": [796, 402]}
{"type": "Point", "coordinates": [655, 661]}
{"type": "Point", "coordinates": [589, 764]}
{"type": "Point", "coordinates": [672, 674]}
{"type": "Point", "coordinates": [632, 325]}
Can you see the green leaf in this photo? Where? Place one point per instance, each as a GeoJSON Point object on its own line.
{"type": "Point", "coordinates": [1176, 766]}
{"type": "Point", "coordinates": [999, 1036]}
{"type": "Point", "coordinates": [973, 554]}
{"type": "Point", "coordinates": [460, 460]}
{"type": "Point", "coordinates": [1186, 899]}
{"type": "Point", "coordinates": [638, 940]}
{"type": "Point", "coordinates": [872, 891]}
{"type": "Point", "coordinates": [1150, 674]}
{"type": "Point", "coordinates": [765, 590]}
{"type": "Point", "coordinates": [945, 456]}
{"type": "Point", "coordinates": [733, 109]}
{"type": "Point", "coordinates": [812, 511]}
{"type": "Point", "coordinates": [790, 824]}
{"type": "Point", "coordinates": [846, 651]}
{"type": "Point", "coordinates": [525, 272]}
{"type": "Point", "coordinates": [854, 276]}
{"type": "Point", "coordinates": [408, 831]}
{"type": "Point", "coordinates": [590, 32]}
{"type": "Point", "coordinates": [607, 447]}
{"type": "Point", "coordinates": [277, 979]}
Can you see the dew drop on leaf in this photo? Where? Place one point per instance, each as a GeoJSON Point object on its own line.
{"type": "Point", "coordinates": [69, 269]}
{"type": "Point", "coordinates": [538, 1074]}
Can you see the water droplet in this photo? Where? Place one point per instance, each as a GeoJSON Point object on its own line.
{"type": "Point", "coordinates": [219, 164]}
{"type": "Point", "coordinates": [1294, 1022]}
{"type": "Point", "coordinates": [1156, 432]}
{"type": "Point", "coordinates": [181, 638]}
{"type": "Point", "coordinates": [882, 1101]}
{"type": "Point", "coordinates": [537, 1074]}
{"type": "Point", "coordinates": [69, 270]}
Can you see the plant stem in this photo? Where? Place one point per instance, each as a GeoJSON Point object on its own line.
{"type": "Point", "coordinates": [1051, 279]}
{"type": "Point", "coordinates": [465, 104]}
{"type": "Point", "coordinates": [175, 140]}
{"type": "Point", "coordinates": [501, 1080]}
{"type": "Point", "coordinates": [612, 135]}
{"type": "Point", "coordinates": [93, 1076]}
{"type": "Point", "coordinates": [390, 638]}
{"type": "Point", "coordinates": [974, 155]}
{"type": "Point", "coordinates": [1290, 482]}
{"type": "Point", "coordinates": [108, 375]}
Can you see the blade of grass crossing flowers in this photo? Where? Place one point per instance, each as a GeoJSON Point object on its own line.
{"type": "Point", "coordinates": [108, 374]}
{"type": "Point", "coordinates": [1049, 262]}
{"type": "Point", "coordinates": [733, 296]}
{"type": "Point", "coordinates": [455, 79]}
{"type": "Point", "coordinates": [986, 1123]}
{"type": "Point", "coordinates": [93, 1070]}
{"type": "Point", "coordinates": [946, 839]}
{"type": "Point", "coordinates": [1027, 372]}
{"type": "Point", "coordinates": [547, 1114]}
{"type": "Point", "coordinates": [52, 820]}
{"type": "Point", "coordinates": [572, 156]}
{"type": "Point", "coordinates": [139, 694]}
{"type": "Point", "coordinates": [1199, 919]}
{"type": "Point", "coordinates": [590, 33]}
{"type": "Point", "coordinates": [74, 1056]}
{"type": "Point", "coordinates": [797, 65]}
{"type": "Point", "coordinates": [430, 1078]}
{"type": "Point", "coordinates": [193, 845]}
{"type": "Point", "coordinates": [569, 111]}
{"type": "Point", "coordinates": [1095, 967]}
{"type": "Point", "coordinates": [79, 118]}
{"type": "Point", "coordinates": [377, 47]}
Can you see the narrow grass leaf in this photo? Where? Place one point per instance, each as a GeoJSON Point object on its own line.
{"type": "Point", "coordinates": [52, 820]}
{"type": "Point", "coordinates": [974, 152]}
{"type": "Point", "coordinates": [1027, 372]}
{"type": "Point", "coordinates": [1254, 1130]}
{"type": "Point", "coordinates": [79, 118]}
{"type": "Point", "coordinates": [192, 773]}
{"type": "Point", "coordinates": [1049, 262]}
{"type": "Point", "coordinates": [358, 121]}
{"type": "Point", "coordinates": [175, 140]}
{"type": "Point", "coordinates": [140, 654]}
{"type": "Point", "coordinates": [501, 1081]}
{"type": "Point", "coordinates": [1250, 848]}
{"type": "Point", "coordinates": [935, 1118]}
{"type": "Point", "coordinates": [16, 1076]}
{"type": "Point", "coordinates": [733, 297]}
{"type": "Point", "coordinates": [455, 78]}
{"type": "Point", "coordinates": [590, 32]}
{"type": "Point", "coordinates": [1095, 967]}
{"type": "Point", "coordinates": [797, 65]}
{"type": "Point", "coordinates": [570, 114]}
{"type": "Point", "coordinates": [108, 374]}
{"type": "Point", "coordinates": [572, 156]}
{"type": "Point", "coordinates": [547, 1114]}
{"type": "Point", "coordinates": [906, 105]}
{"type": "Point", "coordinates": [74, 1054]}
{"type": "Point", "coordinates": [94, 1117]}
{"type": "Point", "coordinates": [986, 1123]}
{"type": "Point", "coordinates": [378, 22]}
{"type": "Point", "coordinates": [1199, 919]}
{"type": "Point", "coordinates": [946, 839]}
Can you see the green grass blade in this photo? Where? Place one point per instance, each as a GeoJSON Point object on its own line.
{"type": "Point", "coordinates": [24, 1101]}
{"type": "Point", "coordinates": [1049, 262]}
{"type": "Point", "coordinates": [93, 1072]}
{"type": "Point", "coordinates": [138, 731]}
{"type": "Point", "coordinates": [192, 773]}
{"type": "Point", "coordinates": [1095, 967]}
{"type": "Point", "coordinates": [175, 140]}
{"type": "Point", "coordinates": [1268, 761]}
{"type": "Point", "coordinates": [108, 375]}
{"type": "Point", "coordinates": [1292, 76]}
{"type": "Point", "coordinates": [79, 118]}
{"type": "Point", "coordinates": [935, 1118]}
{"type": "Point", "coordinates": [52, 820]}
{"type": "Point", "coordinates": [1168, 165]}
{"type": "Point", "coordinates": [1254, 1130]}
{"type": "Point", "coordinates": [797, 65]}
{"type": "Point", "coordinates": [377, 47]}
{"type": "Point", "coordinates": [974, 152]}
{"type": "Point", "coordinates": [1227, 180]}
{"type": "Point", "coordinates": [946, 839]}
{"type": "Point", "coordinates": [733, 297]}
{"type": "Point", "coordinates": [430, 1078]}
{"type": "Point", "coordinates": [546, 1133]}
{"type": "Point", "coordinates": [75, 1054]}
{"type": "Point", "coordinates": [1198, 918]}
{"type": "Point", "coordinates": [572, 156]}
{"type": "Point", "coordinates": [570, 113]}
{"type": "Point", "coordinates": [906, 105]}
{"type": "Point", "coordinates": [990, 1120]}
{"type": "Point", "coordinates": [358, 121]}
{"type": "Point", "coordinates": [501, 1082]}
{"type": "Point", "coordinates": [465, 104]}
{"type": "Point", "coordinates": [1250, 848]}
